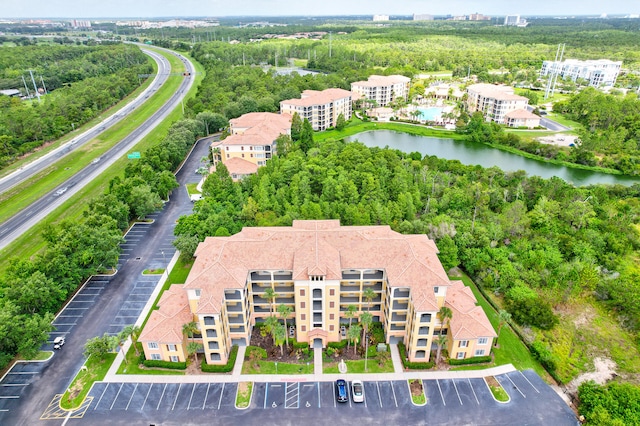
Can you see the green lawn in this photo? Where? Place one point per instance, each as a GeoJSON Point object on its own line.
{"type": "Point", "coordinates": [31, 242]}
{"type": "Point", "coordinates": [132, 366]}
{"type": "Point", "coordinates": [574, 125]}
{"type": "Point", "coordinates": [512, 350]}
{"type": "Point", "coordinates": [269, 367]}
{"type": "Point", "coordinates": [358, 367]}
{"type": "Point", "coordinates": [79, 388]}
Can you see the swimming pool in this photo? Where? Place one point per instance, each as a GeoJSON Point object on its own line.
{"type": "Point", "coordinates": [429, 114]}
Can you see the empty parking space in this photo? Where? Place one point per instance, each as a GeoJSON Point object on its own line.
{"type": "Point", "coordinates": [132, 307]}
{"type": "Point", "coordinates": [14, 383]}
{"type": "Point", "coordinates": [387, 395]}
{"type": "Point", "coordinates": [309, 395]}
{"type": "Point", "coordinates": [510, 387]}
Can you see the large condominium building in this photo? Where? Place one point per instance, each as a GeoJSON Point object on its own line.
{"type": "Point", "coordinates": [494, 101]}
{"type": "Point", "coordinates": [383, 88]}
{"type": "Point", "coordinates": [252, 141]}
{"type": "Point", "coordinates": [319, 269]}
{"type": "Point", "coordinates": [321, 108]}
{"type": "Point", "coordinates": [602, 72]}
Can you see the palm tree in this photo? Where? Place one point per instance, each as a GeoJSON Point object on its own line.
{"type": "Point", "coordinates": [351, 313]}
{"type": "Point", "coordinates": [189, 329]}
{"type": "Point", "coordinates": [122, 337]}
{"type": "Point", "coordinates": [365, 319]}
{"type": "Point", "coordinates": [353, 335]}
{"type": "Point", "coordinates": [445, 315]}
{"type": "Point", "coordinates": [368, 294]}
{"type": "Point", "coordinates": [504, 318]}
{"type": "Point", "coordinates": [271, 323]}
{"type": "Point", "coordinates": [285, 311]}
{"type": "Point", "coordinates": [192, 349]}
{"type": "Point", "coordinates": [270, 294]}
{"type": "Point", "coordinates": [279, 335]}
{"type": "Point", "coordinates": [441, 340]}
{"type": "Point", "coordinates": [134, 334]}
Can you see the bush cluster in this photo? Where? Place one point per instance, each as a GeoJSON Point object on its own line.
{"type": "Point", "coordinates": [225, 368]}
{"type": "Point", "coordinates": [152, 363]}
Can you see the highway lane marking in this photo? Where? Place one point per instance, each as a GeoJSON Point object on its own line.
{"type": "Point", "coordinates": [441, 395]}
{"type": "Point", "coordinates": [525, 377]}
{"type": "Point", "coordinates": [132, 393]}
{"type": "Point", "coordinates": [473, 390]}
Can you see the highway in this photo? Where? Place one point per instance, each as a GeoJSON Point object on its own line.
{"type": "Point", "coordinates": [31, 215]}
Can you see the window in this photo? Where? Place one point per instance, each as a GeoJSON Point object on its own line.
{"type": "Point", "coordinates": [303, 328]}
{"type": "Point", "coordinates": [242, 155]}
{"type": "Point", "coordinates": [332, 304]}
{"type": "Point", "coordinates": [331, 316]}
{"type": "Point", "coordinates": [227, 155]}
{"type": "Point", "coordinates": [198, 293]}
{"type": "Point", "coordinates": [303, 317]}
{"type": "Point", "coordinates": [479, 352]}
{"type": "Point", "coordinates": [302, 292]}
{"type": "Point", "coordinates": [214, 345]}
{"type": "Point", "coordinates": [483, 340]}
{"type": "Point", "coordinates": [332, 292]}
{"type": "Point", "coordinates": [215, 356]}
{"type": "Point", "coordinates": [242, 148]}
{"type": "Point", "coordinates": [171, 348]}
{"type": "Point", "coordinates": [330, 328]}
{"type": "Point", "coordinates": [156, 357]}
{"type": "Point", "coordinates": [174, 358]}
{"type": "Point", "coordinates": [425, 318]}
{"type": "Point", "coordinates": [209, 321]}
{"type": "Point", "coordinates": [435, 290]}
{"type": "Point", "coordinates": [460, 355]}
{"type": "Point", "coordinates": [463, 343]}
{"type": "Point", "coordinates": [251, 155]}
{"type": "Point", "coordinates": [152, 345]}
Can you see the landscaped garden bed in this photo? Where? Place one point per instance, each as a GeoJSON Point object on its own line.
{"type": "Point", "coordinates": [498, 392]}
{"type": "Point", "coordinates": [416, 388]}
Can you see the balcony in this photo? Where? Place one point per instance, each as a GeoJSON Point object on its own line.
{"type": "Point", "coordinates": [317, 317]}
{"type": "Point", "coordinates": [349, 300]}
{"type": "Point", "coordinates": [422, 343]}
{"type": "Point", "coordinates": [349, 288]}
{"type": "Point", "coordinates": [236, 320]}
{"type": "Point", "coordinates": [237, 307]}
{"type": "Point", "coordinates": [281, 289]}
{"type": "Point", "coordinates": [282, 276]}
{"type": "Point", "coordinates": [317, 305]}
{"type": "Point", "coordinates": [260, 277]}
{"type": "Point", "coordinates": [375, 287]}
{"type": "Point", "coordinates": [284, 300]}
{"type": "Point", "coordinates": [351, 276]}
{"type": "Point", "coordinates": [209, 321]}
{"type": "Point", "coordinates": [398, 318]}
{"type": "Point", "coordinates": [377, 275]}
{"type": "Point", "coordinates": [423, 331]}
{"type": "Point", "coordinates": [261, 310]}
{"type": "Point", "coordinates": [257, 288]}
{"type": "Point", "coordinates": [237, 329]}
{"type": "Point", "coordinates": [395, 327]}
{"type": "Point", "coordinates": [400, 293]}
{"type": "Point", "coordinates": [400, 306]}
{"type": "Point", "coordinates": [232, 294]}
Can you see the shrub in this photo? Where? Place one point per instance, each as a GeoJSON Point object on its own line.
{"type": "Point", "coordinates": [225, 368]}
{"type": "Point", "coordinates": [299, 345]}
{"type": "Point", "coordinates": [255, 352]}
{"type": "Point", "coordinates": [473, 360]}
{"type": "Point", "coordinates": [377, 332]}
{"type": "Point", "coordinates": [152, 363]}
{"type": "Point", "coordinates": [543, 354]}
{"type": "Point", "coordinates": [412, 365]}
{"type": "Point", "coordinates": [338, 345]}
{"type": "Point", "coordinates": [330, 351]}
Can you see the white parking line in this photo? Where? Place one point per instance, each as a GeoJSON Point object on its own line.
{"type": "Point", "coordinates": [220, 402]}
{"type": "Point", "coordinates": [191, 397]}
{"type": "Point", "coordinates": [10, 397]}
{"type": "Point", "coordinates": [14, 384]}
{"type": "Point", "coordinates": [517, 388]}
{"type": "Point", "coordinates": [266, 394]}
{"type": "Point", "coordinates": [22, 372]}
{"type": "Point", "coordinates": [178, 393]}
{"type": "Point", "coordinates": [334, 395]}
{"type": "Point", "coordinates": [525, 377]}
{"type": "Point", "coordinates": [206, 395]}
{"type": "Point", "coordinates": [103, 391]}
{"type": "Point", "coordinates": [145, 398]}
{"type": "Point", "coordinates": [132, 393]}
{"type": "Point", "coordinates": [441, 395]}
{"type": "Point", "coordinates": [318, 386]}
{"type": "Point", "coordinates": [394, 394]}
{"type": "Point", "coordinates": [379, 397]}
{"type": "Point", "coordinates": [456, 388]}
{"type": "Point", "coordinates": [473, 390]}
{"type": "Point", "coordinates": [161, 396]}
{"type": "Point", "coordinates": [114, 399]}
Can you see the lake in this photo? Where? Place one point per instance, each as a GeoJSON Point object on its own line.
{"type": "Point", "coordinates": [479, 154]}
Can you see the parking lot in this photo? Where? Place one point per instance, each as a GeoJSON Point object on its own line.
{"type": "Point", "coordinates": [15, 382]}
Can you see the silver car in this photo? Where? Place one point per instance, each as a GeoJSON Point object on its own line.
{"type": "Point", "coordinates": [357, 391]}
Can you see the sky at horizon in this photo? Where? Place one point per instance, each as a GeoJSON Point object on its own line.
{"type": "Point", "coordinates": [220, 8]}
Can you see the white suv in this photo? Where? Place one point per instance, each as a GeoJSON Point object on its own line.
{"type": "Point", "coordinates": [58, 342]}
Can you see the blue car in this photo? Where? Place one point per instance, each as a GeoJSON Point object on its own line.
{"type": "Point", "coordinates": [341, 391]}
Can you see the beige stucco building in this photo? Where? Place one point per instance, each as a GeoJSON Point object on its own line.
{"type": "Point", "coordinates": [319, 269]}
{"type": "Point", "coordinates": [252, 141]}
{"type": "Point", "coordinates": [383, 89]}
{"type": "Point", "coordinates": [321, 108]}
{"type": "Point", "coordinates": [521, 118]}
{"type": "Point", "coordinates": [494, 101]}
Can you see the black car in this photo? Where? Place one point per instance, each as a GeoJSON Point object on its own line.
{"type": "Point", "coordinates": [341, 391]}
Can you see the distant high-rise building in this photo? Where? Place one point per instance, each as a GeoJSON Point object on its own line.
{"type": "Point", "coordinates": [76, 23]}
{"type": "Point", "coordinates": [380, 17]}
{"type": "Point", "coordinates": [602, 72]}
{"type": "Point", "coordinates": [515, 21]}
{"type": "Point", "coordinates": [478, 17]}
{"type": "Point", "coordinates": [422, 17]}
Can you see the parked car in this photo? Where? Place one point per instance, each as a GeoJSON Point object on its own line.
{"type": "Point", "coordinates": [357, 391]}
{"type": "Point", "coordinates": [341, 390]}
{"type": "Point", "coordinates": [58, 342]}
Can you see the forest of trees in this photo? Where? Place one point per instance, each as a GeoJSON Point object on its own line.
{"type": "Point", "coordinates": [33, 289]}
{"type": "Point", "coordinates": [83, 82]}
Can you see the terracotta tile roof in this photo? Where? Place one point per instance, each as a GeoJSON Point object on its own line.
{"type": "Point", "coordinates": [165, 323]}
{"type": "Point", "coordinates": [521, 113]}
{"type": "Point", "coordinates": [314, 97]}
{"type": "Point", "coordinates": [503, 93]}
{"type": "Point", "coordinates": [468, 321]}
{"type": "Point", "coordinates": [253, 119]}
{"type": "Point", "coordinates": [319, 247]}
{"type": "Point", "coordinates": [240, 166]}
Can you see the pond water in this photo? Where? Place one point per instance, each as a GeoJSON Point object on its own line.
{"type": "Point", "coordinates": [478, 154]}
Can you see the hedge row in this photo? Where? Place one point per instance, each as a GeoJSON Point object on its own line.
{"type": "Point", "coordinates": [299, 345]}
{"type": "Point", "coordinates": [338, 345]}
{"type": "Point", "coordinates": [412, 365]}
{"type": "Point", "coordinates": [153, 363]}
{"type": "Point", "coordinates": [472, 360]}
{"type": "Point", "coordinates": [225, 368]}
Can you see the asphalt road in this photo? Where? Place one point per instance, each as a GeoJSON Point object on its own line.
{"type": "Point", "coordinates": [105, 306]}
{"type": "Point", "coordinates": [21, 222]}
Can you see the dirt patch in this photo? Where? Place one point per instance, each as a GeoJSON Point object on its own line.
{"type": "Point", "coordinates": [274, 353]}
{"type": "Point", "coordinates": [605, 371]}
{"type": "Point", "coordinates": [491, 381]}
{"type": "Point", "coordinates": [416, 387]}
{"type": "Point", "coordinates": [243, 388]}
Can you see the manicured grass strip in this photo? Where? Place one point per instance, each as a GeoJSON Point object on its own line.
{"type": "Point", "coordinates": [269, 367]}
{"type": "Point", "coordinates": [496, 389]}
{"type": "Point", "coordinates": [358, 367]}
{"type": "Point", "coordinates": [243, 396]}
{"type": "Point", "coordinates": [132, 366]}
{"type": "Point", "coordinates": [96, 370]}
{"type": "Point", "coordinates": [420, 399]}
